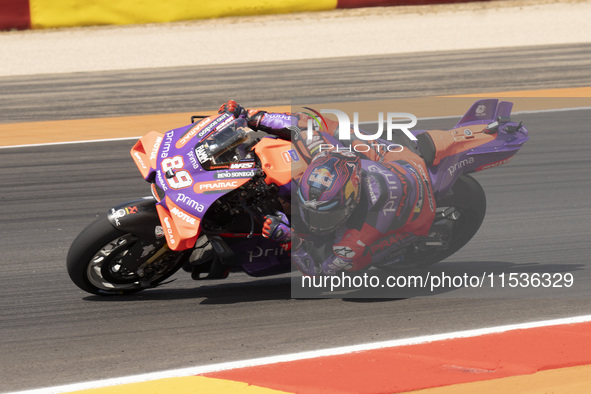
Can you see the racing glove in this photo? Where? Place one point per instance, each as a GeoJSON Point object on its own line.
{"type": "Point", "coordinates": [232, 107]}
{"type": "Point", "coordinates": [305, 263]}
{"type": "Point", "coordinates": [277, 228]}
{"type": "Point", "coordinates": [254, 118]}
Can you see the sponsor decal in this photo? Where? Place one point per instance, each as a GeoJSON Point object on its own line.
{"type": "Point", "coordinates": [294, 155]}
{"type": "Point", "coordinates": [188, 201]}
{"type": "Point", "coordinates": [391, 180]}
{"type": "Point", "coordinates": [459, 165]}
{"type": "Point", "coordinates": [218, 185]}
{"type": "Point", "coordinates": [158, 231]}
{"type": "Point", "coordinates": [168, 230]}
{"type": "Point", "coordinates": [182, 215]}
{"type": "Point", "coordinates": [192, 132]}
{"type": "Point", "coordinates": [428, 186]}
{"type": "Point", "coordinates": [218, 123]}
{"type": "Point", "coordinates": [234, 174]}
{"type": "Point", "coordinates": [202, 155]}
{"type": "Point", "coordinates": [480, 110]}
{"type": "Point", "coordinates": [278, 116]}
{"type": "Point", "coordinates": [118, 214]}
{"type": "Point", "coordinates": [314, 143]}
{"type": "Point", "coordinates": [495, 164]}
{"type": "Point", "coordinates": [371, 184]}
{"type": "Point", "coordinates": [161, 182]}
{"type": "Point", "coordinates": [389, 241]}
{"type": "Point", "coordinates": [260, 252]}
{"type": "Point", "coordinates": [344, 252]}
{"type": "Point", "coordinates": [155, 148]}
{"type": "Point", "coordinates": [242, 165]}
{"type": "Point", "coordinates": [193, 160]}
{"type": "Point", "coordinates": [166, 146]}
{"type": "Point", "coordinates": [139, 159]}
{"type": "Point", "coordinates": [421, 191]}
{"type": "Point", "coordinates": [289, 156]}
{"type": "Point", "coordinates": [338, 264]}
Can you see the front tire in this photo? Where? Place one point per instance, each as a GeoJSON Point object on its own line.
{"type": "Point", "coordinates": [96, 260]}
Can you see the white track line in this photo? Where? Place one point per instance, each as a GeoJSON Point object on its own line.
{"type": "Point", "coordinates": [191, 371]}
{"type": "Point", "coordinates": [68, 142]}
{"type": "Point", "coordinates": [368, 122]}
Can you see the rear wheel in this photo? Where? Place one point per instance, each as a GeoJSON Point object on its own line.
{"type": "Point", "coordinates": [465, 207]}
{"type": "Point", "coordinates": [104, 260]}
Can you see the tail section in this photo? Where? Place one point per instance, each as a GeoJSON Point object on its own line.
{"type": "Point", "coordinates": [485, 111]}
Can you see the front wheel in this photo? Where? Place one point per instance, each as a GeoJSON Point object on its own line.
{"type": "Point", "coordinates": [104, 260]}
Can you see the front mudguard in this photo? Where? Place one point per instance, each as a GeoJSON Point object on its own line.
{"type": "Point", "coordinates": [138, 217]}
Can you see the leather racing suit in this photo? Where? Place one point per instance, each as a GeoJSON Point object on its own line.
{"type": "Point", "coordinates": [396, 206]}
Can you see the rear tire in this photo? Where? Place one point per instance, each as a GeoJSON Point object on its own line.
{"type": "Point", "coordinates": [468, 197]}
{"type": "Point", "coordinates": [94, 261]}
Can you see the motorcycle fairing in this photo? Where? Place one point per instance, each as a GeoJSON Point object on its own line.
{"type": "Point", "coordinates": [257, 256]}
{"type": "Point", "coordinates": [469, 147]}
{"type": "Point", "coordinates": [474, 145]}
{"type": "Point", "coordinates": [180, 228]}
{"type": "Point", "coordinates": [458, 140]}
{"type": "Point", "coordinates": [484, 112]}
{"type": "Point", "coordinates": [219, 185]}
{"type": "Point", "coordinates": [203, 128]}
{"type": "Point", "coordinates": [171, 163]}
{"type": "Point", "coordinates": [145, 153]}
{"type": "Point", "coordinates": [280, 161]}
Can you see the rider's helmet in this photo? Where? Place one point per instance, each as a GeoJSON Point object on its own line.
{"type": "Point", "coordinates": [329, 190]}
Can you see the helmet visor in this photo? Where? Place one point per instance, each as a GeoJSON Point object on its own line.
{"type": "Point", "coordinates": [324, 218]}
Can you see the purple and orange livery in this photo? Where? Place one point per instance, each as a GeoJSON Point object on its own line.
{"type": "Point", "coordinates": [485, 137]}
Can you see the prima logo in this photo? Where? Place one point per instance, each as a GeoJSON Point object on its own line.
{"type": "Point", "coordinates": [193, 160]}
{"type": "Point", "coordinates": [188, 201]}
{"type": "Point", "coordinates": [167, 142]}
{"type": "Point", "coordinates": [460, 164]}
{"type": "Point", "coordinates": [393, 184]}
{"type": "Point", "coordinates": [260, 252]}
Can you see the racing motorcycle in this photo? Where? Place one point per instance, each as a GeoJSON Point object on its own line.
{"type": "Point", "coordinates": [214, 180]}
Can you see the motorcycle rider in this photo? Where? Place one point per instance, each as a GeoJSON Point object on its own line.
{"type": "Point", "coordinates": [364, 198]}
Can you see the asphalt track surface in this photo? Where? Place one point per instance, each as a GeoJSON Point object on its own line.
{"type": "Point", "coordinates": [52, 333]}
